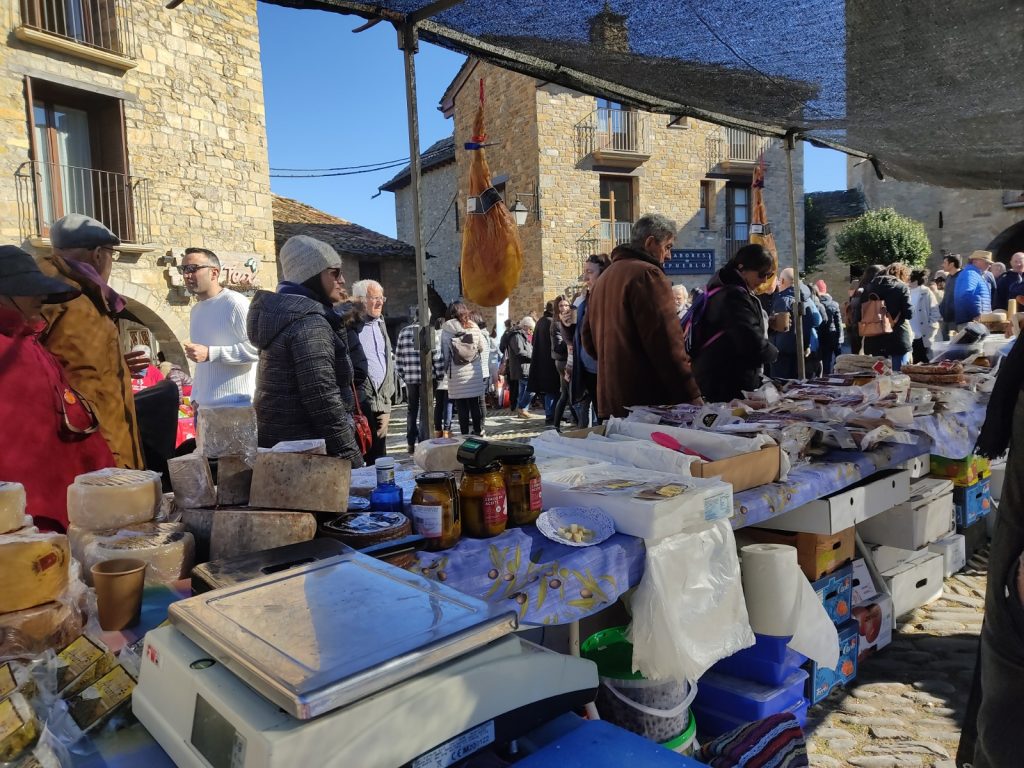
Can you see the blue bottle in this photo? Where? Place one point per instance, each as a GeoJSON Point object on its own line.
{"type": "Point", "coordinates": [387, 496]}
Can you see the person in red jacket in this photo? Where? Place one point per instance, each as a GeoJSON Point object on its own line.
{"type": "Point", "coordinates": [51, 431]}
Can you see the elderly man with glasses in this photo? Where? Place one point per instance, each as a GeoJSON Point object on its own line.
{"type": "Point", "coordinates": [379, 387]}
{"type": "Point", "coordinates": [225, 370]}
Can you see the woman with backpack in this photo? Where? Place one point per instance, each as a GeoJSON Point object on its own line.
{"type": "Point", "coordinates": [885, 312]}
{"type": "Point", "coordinates": [727, 329]}
{"type": "Point", "coordinates": [464, 350]}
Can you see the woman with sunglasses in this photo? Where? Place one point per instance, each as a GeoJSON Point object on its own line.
{"type": "Point", "coordinates": [304, 381]}
{"type": "Point", "coordinates": [729, 328]}
{"type": "Point", "coordinates": [52, 433]}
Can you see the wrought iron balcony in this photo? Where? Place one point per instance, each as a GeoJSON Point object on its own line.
{"type": "Point", "coordinates": [614, 137]}
{"type": "Point", "coordinates": [602, 238]}
{"type": "Point", "coordinates": [48, 191]}
{"type": "Point", "coordinates": [1013, 198]}
{"type": "Point", "coordinates": [103, 25]}
{"type": "Point", "coordinates": [730, 150]}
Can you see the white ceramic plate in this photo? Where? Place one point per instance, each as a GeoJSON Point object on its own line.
{"type": "Point", "coordinates": [587, 517]}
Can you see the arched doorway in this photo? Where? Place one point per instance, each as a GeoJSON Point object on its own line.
{"type": "Point", "coordinates": [167, 328]}
{"type": "Point", "coordinates": [1007, 243]}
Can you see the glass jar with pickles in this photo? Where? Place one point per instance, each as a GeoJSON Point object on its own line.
{"type": "Point", "coordinates": [436, 510]}
{"type": "Point", "coordinates": [482, 501]}
{"type": "Point", "coordinates": [522, 489]}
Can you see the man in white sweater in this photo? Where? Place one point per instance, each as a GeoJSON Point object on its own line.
{"type": "Point", "coordinates": [219, 345]}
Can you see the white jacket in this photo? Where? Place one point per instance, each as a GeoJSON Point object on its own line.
{"type": "Point", "coordinates": [926, 319]}
{"type": "Point", "coordinates": [464, 380]}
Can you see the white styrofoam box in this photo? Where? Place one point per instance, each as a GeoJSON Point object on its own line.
{"type": "Point", "coordinates": [876, 622]}
{"type": "Point", "coordinates": [953, 549]}
{"type": "Point", "coordinates": [927, 516]}
{"type": "Point", "coordinates": [703, 500]}
{"type": "Point", "coordinates": [839, 511]}
{"type": "Point", "coordinates": [919, 466]}
{"type": "Point", "coordinates": [915, 582]}
{"type": "Point", "coordinates": [864, 587]}
{"type": "Point", "coordinates": [886, 558]}
{"type": "Point", "coordinates": [998, 469]}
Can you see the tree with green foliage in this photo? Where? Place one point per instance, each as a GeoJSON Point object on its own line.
{"type": "Point", "coordinates": [815, 236]}
{"type": "Point", "coordinates": [883, 237]}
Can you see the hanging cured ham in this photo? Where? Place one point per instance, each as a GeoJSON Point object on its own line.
{"type": "Point", "coordinates": [760, 232]}
{"type": "Point", "coordinates": [492, 256]}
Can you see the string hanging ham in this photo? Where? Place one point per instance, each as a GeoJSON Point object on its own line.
{"type": "Point", "coordinates": [492, 256]}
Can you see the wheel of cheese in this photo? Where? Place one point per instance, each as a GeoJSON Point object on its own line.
{"type": "Point", "coordinates": [169, 556]}
{"type": "Point", "coordinates": [33, 569]}
{"type": "Point", "coordinates": [111, 498]}
{"type": "Point", "coordinates": [80, 538]}
{"type": "Point", "coordinates": [27, 633]}
{"type": "Point", "coordinates": [438, 455]}
{"type": "Point", "coordinates": [12, 506]}
{"type": "Point", "coordinates": [362, 529]}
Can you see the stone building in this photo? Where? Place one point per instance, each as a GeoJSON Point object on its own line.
{"type": "Point", "coordinates": [586, 169]}
{"type": "Point", "coordinates": [152, 122]}
{"type": "Point", "coordinates": [838, 209]}
{"type": "Point", "coordinates": [956, 220]}
{"type": "Point", "coordinates": [365, 255]}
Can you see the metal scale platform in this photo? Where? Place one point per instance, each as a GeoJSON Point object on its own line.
{"type": "Point", "coordinates": [346, 662]}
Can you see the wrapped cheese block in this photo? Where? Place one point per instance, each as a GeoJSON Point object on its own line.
{"type": "Point", "coordinates": [110, 498]}
{"type": "Point", "coordinates": [80, 538]}
{"type": "Point", "coordinates": [170, 555]}
{"type": "Point", "coordinates": [192, 481]}
{"type": "Point", "coordinates": [20, 729]}
{"type": "Point", "coordinates": [12, 506]}
{"type": "Point", "coordinates": [27, 633]}
{"type": "Point", "coordinates": [241, 531]}
{"type": "Point", "coordinates": [438, 454]}
{"type": "Point", "coordinates": [33, 569]}
{"type": "Point", "coordinates": [226, 430]}
{"type": "Point", "coordinates": [91, 708]}
{"type": "Point", "coordinates": [318, 447]}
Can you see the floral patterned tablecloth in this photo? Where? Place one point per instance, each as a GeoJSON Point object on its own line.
{"type": "Point", "coordinates": [953, 434]}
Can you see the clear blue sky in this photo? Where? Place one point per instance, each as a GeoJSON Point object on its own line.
{"type": "Point", "coordinates": [334, 98]}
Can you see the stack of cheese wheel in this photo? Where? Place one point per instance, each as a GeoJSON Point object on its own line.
{"type": "Point", "coordinates": [112, 515]}
{"type": "Point", "coordinates": [37, 611]}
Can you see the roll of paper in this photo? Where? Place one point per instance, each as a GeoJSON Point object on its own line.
{"type": "Point", "coordinates": [781, 602]}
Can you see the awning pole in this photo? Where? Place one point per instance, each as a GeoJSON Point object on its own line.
{"type": "Point", "coordinates": [408, 42]}
{"type": "Point", "coordinates": [798, 312]}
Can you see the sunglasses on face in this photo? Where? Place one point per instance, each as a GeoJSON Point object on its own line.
{"type": "Point", "coordinates": [191, 269]}
{"type": "Point", "coordinates": [335, 274]}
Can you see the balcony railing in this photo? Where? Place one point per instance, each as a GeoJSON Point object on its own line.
{"type": "Point", "coordinates": [615, 233]}
{"type": "Point", "coordinates": [103, 24]}
{"type": "Point", "coordinates": [47, 191]}
{"type": "Point", "coordinates": [609, 133]}
{"type": "Point", "coordinates": [1013, 198]}
{"type": "Point", "coordinates": [730, 147]}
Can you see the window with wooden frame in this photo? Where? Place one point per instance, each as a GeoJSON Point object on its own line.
{"type": "Point", "coordinates": [706, 214]}
{"type": "Point", "coordinates": [79, 157]}
{"type": "Point", "coordinates": [89, 22]}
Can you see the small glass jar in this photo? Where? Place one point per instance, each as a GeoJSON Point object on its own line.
{"type": "Point", "coordinates": [435, 510]}
{"type": "Point", "coordinates": [482, 499]}
{"type": "Point", "coordinates": [522, 488]}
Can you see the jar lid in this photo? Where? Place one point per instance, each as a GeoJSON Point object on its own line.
{"type": "Point", "coordinates": [385, 462]}
{"type": "Point", "coordinates": [518, 460]}
{"type": "Point", "coordinates": [429, 478]}
{"type": "Point", "coordinates": [492, 467]}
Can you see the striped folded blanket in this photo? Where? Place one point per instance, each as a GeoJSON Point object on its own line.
{"type": "Point", "coordinates": [775, 742]}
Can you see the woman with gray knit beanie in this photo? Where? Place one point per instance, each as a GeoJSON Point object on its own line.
{"type": "Point", "coordinates": [304, 379]}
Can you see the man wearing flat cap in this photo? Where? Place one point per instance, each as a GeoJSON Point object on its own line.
{"type": "Point", "coordinates": [82, 332]}
{"type": "Point", "coordinates": [973, 296]}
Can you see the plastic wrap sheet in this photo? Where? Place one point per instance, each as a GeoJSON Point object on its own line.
{"type": "Point", "coordinates": [714, 446]}
{"type": "Point", "coordinates": [638, 453]}
{"type": "Point", "coordinates": [952, 435]}
{"type": "Point", "coordinates": [689, 611]}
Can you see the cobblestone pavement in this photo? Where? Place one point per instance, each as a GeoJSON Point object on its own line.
{"type": "Point", "coordinates": [497, 424]}
{"type": "Point", "coordinates": [907, 704]}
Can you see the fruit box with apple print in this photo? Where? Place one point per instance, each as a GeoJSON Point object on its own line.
{"type": "Point", "coordinates": [821, 681]}
{"type": "Point", "coordinates": [875, 622]}
{"type": "Point", "coordinates": [836, 593]}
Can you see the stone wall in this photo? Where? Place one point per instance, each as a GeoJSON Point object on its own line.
{"type": "Point", "coordinates": [440, 211]}
{"type": "Point", "coordinates": [194, 127]}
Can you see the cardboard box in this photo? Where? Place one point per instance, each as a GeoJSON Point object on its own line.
{"type": "Point", "coordinates": [864, 587]}
{"type": "Point", "coordinates": [822, 681]}
{"type": "Point", "coordinates": [875, 625]}
{"type": "Point", "coordinates": [915, 582]}
{"type": "Point", "coordinates": [848, 507]}
{"type": "Point", "coordinates": [836, 593]}
{"type": "Point", "coordinates": [962, 472]}
{"type": "Point", "coordinates": [972, 502]}
{"type": "Point", "coordinates": [919, 466]}
{"type": "Point", "coordinates": [818, 554]}
{"type": "Point", "coordinates": [886, 558]}
{"type": "Point", "coordinates": [743, 472]}
{"type": "Point", "coordinates": [925, 517]}
{"type": "Point", "coordinates": [953, 548]}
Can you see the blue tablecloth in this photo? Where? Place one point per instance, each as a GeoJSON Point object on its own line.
{"type": "Point", "coordinates": [953, 434]}
{"type": "Point", "coordinates": [546, 582]}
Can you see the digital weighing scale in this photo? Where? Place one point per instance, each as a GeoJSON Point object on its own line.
{"type": "Point", "coordinates": [346, 662]}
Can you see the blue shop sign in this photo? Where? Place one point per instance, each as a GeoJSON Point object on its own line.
{"type": "Point", "coordinates": [686, 261]}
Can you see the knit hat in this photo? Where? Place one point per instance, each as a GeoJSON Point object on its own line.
{"type": "Point", "coordinates": [303, 257]}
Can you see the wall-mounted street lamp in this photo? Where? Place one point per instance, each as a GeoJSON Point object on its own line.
{"type": "Point", "coordinates": [521, 211]}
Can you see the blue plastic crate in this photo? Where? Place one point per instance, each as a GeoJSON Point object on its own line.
{"type": "Point", "coordinates": [973, 502]}
{"type": "Point", "coordinates": [712, 724]}
{"type": "Point", "coordinates": [749, 665]}
{"type": "Point", "coordinates": [746, 699]}
{"type": "Point", "coordinates": [822, 681]}
{"type": "Point", "coordinates": [836, 593]}
{"type": "Point", "coordinates": [598, 744]}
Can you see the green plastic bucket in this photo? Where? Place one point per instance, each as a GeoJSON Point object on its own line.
{"type": "Point", "coordinates": [686, 742]}
{"type": "Point", "coordinates": [655, 709]}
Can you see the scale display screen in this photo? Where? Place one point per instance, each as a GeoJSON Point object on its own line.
{"type": "Point", "coordinates": [215, 738]}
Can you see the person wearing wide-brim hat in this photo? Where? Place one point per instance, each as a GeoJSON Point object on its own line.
{"type": "Point", "coordinates": [82, 333]}
{"type": "Point", "coordinates": [52, 432]}
{"type": "Point", "coordinates": [973, 292]}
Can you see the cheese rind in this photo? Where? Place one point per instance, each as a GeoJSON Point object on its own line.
{"type": "Point", "coordinates": [226, 430]}
{"type": "Point", "coordinates": [33, 569]}
{"type": "Point", "coordinates": [241, 531]}
{"type": "Point", "coordinates": [80, 538]}
{"type": "Point", "coordinates": [12, 506]}
{"type": "Point", "coordinates": [170, 556]}
{"type": "Point", "coordinates": [27, 633]}
{"type": "Point", "coordinates": [111, 498]}
{"type": "Point", "coordinates": [234, 479]}
{"type": "Point", "coordinates": [192, 481]}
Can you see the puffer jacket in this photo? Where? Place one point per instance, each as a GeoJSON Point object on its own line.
{"type": "Point", "coordinates": [465, 380]}
{"type": "Point", "coordinates": [304, 379]}
{"type": "Point", "coordinates": [520, 351]}
{"type": "Point", "coordinates": [896, 295]}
